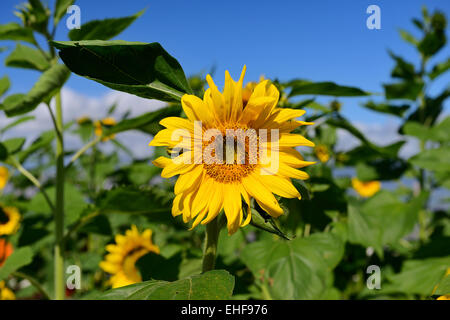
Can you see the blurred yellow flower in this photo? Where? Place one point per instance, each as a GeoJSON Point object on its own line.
{"type": "Point", "coordinates": [6, 293]}
{"type": "Point", "coordinates": [121, 260]}
{"type": "Point", "coordinates": [6, 250]}
{"type": "Point", "coordinates": [366, 188]}
{"type": "Point", "coordinates": [322, 153]}
{"type": "Point", "coordinates": [108, 122]}
{"type": "Point", "coordinates": [9, 220]}
{"type": "Point", "coordinates": [208, 184]}
{"type": "Point", "coordinates": [445, 297]}
{"type": "Point", "coordinates": [83, 120]}
{"type": "Point", "coordinates": [4, 177]}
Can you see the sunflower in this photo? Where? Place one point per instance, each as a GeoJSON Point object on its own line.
{"type": "Point", "coordinates": [322, 153]}
{"type": "Point", "coordinates": [4, 176]}
{"type": "Point", "coordinates": [9, 220]}
{"type": "Point", "coordinates": [107, 122]}
{"type": "Point", "coordinates": [444, 297]}
{"type": "Point", "coordinates": [205, 186]}
{"type": "Point", "coordinates": [6, 250]}
{"type": "Point", "coordinates": [6, 293]}
{"type": "Point", "coordinates": [366, 188]}
{"type": "Point", "coordinates": [121, 259]}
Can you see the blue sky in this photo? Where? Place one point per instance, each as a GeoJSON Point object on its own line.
{"type": "Point", "coordinates": [318, 40]}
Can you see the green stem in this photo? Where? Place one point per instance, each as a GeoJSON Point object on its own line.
{"type": "Point", "coordinates": [83, 150]}
{"type": "Point", "coordinates": [211, 240]}
{"type": "Point", "coordinates": [33, 281]}
{"type": "Point", "coordinates": [59, 212]}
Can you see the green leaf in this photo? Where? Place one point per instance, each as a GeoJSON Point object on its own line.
{"type": "Point", "coordinates": [443, 287]}
{"type": "Point", "coordinates": [28, 58]}
{"type": "Point", "coordinates": [432, 43]}
{"type": "Point", "coordinates": [18, 259]}
{"type": "Point", "coordinates": [14, 31]}
{"type": "Point", "coordinates": [367, 222]}
{"type": "Point", "coordinates": [4, 85]}
{"type": "Point", "coordinates": [403, 90]}
{"type": "Point", "coordinates": [155, 266]}
{"type": "Point", "coordinates": [439, 69]}
{"type": "Point", "coordinates": [264, 222]}
{"type": "Point", "coordinates": [408, 37]}
{"type": "Point", "coordinates": [16, 122]}
{"type": "Point", "coordinates": [74, 203]}
{"type": "Point", "coordinates": [293, 269]}
{"type": "Point", "coordinates": [49, 82]}
{"type": "Point", "coordinates": [154, 74]}
{"type": "Point", "coordinates": [381, 169]}
{"type": "Point", "coordinates": [43, 141]}
{"type": "Point", "coordinates": [212, 285]}
{"type": "Point", "coordinates": [433, 159]}
{"type": "Point", "coordinates": [439, 132]}
{"type": "Point", "coordinates": [61, 9]}
{"type": "Point", "coordinates": [144, 201]}
{"type": "Point", "coordinates": [403, 69]}
{"type": "Point", "coordinates": [144, 120]}
{"type": "Point", "coordinates": [103, 29]}
{"type": "Point", "coordinates": [13, 145]}
{"type": "Point", "coordinates": [301, 87]}
{"type": "Point", "coordinates": [398, 111]}
{"type": "Point", "coordinates": [418, 276]}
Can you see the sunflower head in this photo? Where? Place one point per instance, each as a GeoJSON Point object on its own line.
{"type": "Point", "coordinates": [6, 249]}
{"type": "Point", "coordinates": [322, 153]}
{"type": "Point", "coordinates": [121, 260]}
{"type": "Point", "coordinates": [4, 177]}
{"type": "Point", "coordinates": [99, 124]}
{"type": "Point", "coordinates": [366, 188]}
{"type": "Point", "coordinates": [9, 220]}
{"type": "Point", "coordinates": [230, 150]}
{"type": "Point", "coordinates": [5, 292]}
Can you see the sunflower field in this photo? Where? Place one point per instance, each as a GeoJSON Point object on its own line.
{"type": "Point", "coordinates": [288, 215]}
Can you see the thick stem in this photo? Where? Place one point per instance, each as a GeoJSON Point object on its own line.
{"type": "Point", "coordinates": [59, 207]}
{"type": "Point", "coordinates": [210, 250]}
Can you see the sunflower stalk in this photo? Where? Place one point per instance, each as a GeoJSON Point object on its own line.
{"type": "Point", "coordinates": [211, 240]}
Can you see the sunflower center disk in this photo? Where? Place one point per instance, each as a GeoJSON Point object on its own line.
{"type": "Point", "coordinates": [232, 156]}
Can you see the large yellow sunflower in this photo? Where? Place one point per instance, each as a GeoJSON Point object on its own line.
{"type": "Point", "coordinates": [9, 220]}
{"type": "Point", "coordinates": [121, 260]}
{"type": "Point", "coordinates": [205, 186]}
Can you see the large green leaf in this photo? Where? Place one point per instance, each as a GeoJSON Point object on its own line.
{"type": "Point", "coordinates": [433, 159]}
{"type": "Point", "coordinates": [212, 285]}
{"type": "Point", "coordinates": [103, 29]}
{"type": "Point", "coordinates": [14, 31]}
{"type": "Point", "coordinates": [28, 58]}
{"type": "Point", "coordinates": [439, 132]}
{"type": "Point", "coordinates": [16, 122]}
{"type": "Point", "coordinates": [418, 276]}
{"type": "Point", "coordinates": [367, 222]}
{"type": "Point", "coordinates": [403, 69]}
{"type": "Point", "coordinates": [443, 287]}
{"type": "Point", "coordinates": [18, 259]}
{"type": "Point", "coordinates": [13, 145]}
{"type": "Point", "coordinates": [49, 82]}
{"type": "Point", "coordinates": [301, 87]}
{"type": "Point", "coordinates": [297, 269]}
{"type": "Point", "coordinates": [154, 74]}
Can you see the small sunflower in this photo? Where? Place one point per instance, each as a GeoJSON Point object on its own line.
{"type": "Point", "coordinates": [444, 297]}
{"type": "Point", "coordinates": [6, 250]}
{"type": "Point", "coordinates": [366, 188]}
{"type": "Point", "coordinates": [107, 122]}
{"type": "Point", "coordinates": [322, 153]}
{"type": "Point", "coordinates": [121, 260]}
{"type": "Point", "coordinates": [9, 220]}
{"type": "Point", "coordinates": [4, 177]}
{"type": "Point", "coordinates": [6, 293]}
{"type": "Point", "coordinates": [205, 187]}
{"type": "Point", "coordinates": [83, 120]}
